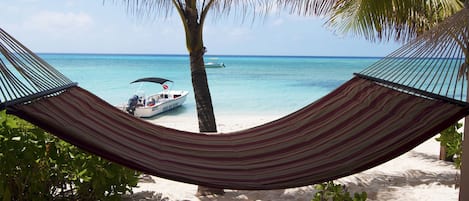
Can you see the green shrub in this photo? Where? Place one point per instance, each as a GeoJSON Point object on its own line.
{"type": "Point", "coordinates": [330, 191]}
{"type": "Point", "coordinates": [451, 139]}
{"type": "Point", "coordinates": [38, 166]}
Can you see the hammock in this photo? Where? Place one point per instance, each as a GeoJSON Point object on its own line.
{"type": "Point", "coordinates": [381, 113]}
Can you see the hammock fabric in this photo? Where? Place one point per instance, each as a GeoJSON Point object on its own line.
{"type": "Point", "coordinates": [356, 127]}
{"type": "Point", "coordinates": [388, 109]}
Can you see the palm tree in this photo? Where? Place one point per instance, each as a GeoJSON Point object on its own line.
{"type": "Point", "coordinates": [193, 14]}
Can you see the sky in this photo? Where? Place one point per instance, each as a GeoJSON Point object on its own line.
{"type": "Point", "coordinates": [94, 26]}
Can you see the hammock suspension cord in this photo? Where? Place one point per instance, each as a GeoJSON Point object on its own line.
{"type": "Point", "coordinates": [434, 63]}
{"type": "Point", "coordinates": [24, 75]}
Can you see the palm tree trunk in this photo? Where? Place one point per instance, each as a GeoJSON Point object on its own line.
{"type": "Point", "coordinates": [195, 46]}
{"type": "Point", "coordinates": [464, 181]}
{"type": "Point", "coordinates": [203, 99]}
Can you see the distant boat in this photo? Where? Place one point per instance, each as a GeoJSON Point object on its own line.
{"type": "Point", "coordinates": [140, 105]}
{"type": "Point", "coordinates": [214, 65]}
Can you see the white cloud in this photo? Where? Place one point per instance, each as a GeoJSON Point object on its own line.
{"type": "Point", "coordinates": [59, 22]}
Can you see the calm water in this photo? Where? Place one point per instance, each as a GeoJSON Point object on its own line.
{"type": "Point", "coordinates": [261, 85]}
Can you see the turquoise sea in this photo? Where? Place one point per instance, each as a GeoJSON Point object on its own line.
{"type": "Point", "coordinates": [271, 85]}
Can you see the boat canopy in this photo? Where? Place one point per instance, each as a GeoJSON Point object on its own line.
{"type": "Point", "coordinates": [152, 79]}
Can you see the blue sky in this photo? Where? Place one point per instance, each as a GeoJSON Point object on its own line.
{"type": "Point", "coordinates": [91, 26]}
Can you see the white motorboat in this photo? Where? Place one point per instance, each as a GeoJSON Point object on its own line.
{"type": "Point", "coordinates": [140, 105]}
{"type": "Point", "coordinates": [214, 65]}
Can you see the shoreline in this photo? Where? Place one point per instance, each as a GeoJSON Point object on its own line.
{"type": "Point", "coordinates": [414, 176]}
{"type": "Point", "coordinates": [225, 123]}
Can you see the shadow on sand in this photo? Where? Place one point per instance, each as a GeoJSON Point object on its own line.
{"type": "Point", "coordinates": [411, 178]}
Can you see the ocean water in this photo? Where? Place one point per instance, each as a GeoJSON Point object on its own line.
{"type": "Point", "coordinates": [269, 85]}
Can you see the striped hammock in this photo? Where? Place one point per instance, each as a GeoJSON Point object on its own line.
{"type": "Point", "coordinates": [381, 113]}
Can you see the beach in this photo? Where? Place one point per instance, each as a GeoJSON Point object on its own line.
{"type": "Point", "coordinates": [414, 176]}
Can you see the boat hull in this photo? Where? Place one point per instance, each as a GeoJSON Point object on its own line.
{"type": "Point", "coordinates": [214, 65]}
{"type": "Point", "coordinates": [149, 111]}
{"type": "Point", "coordinates": [165, 101]}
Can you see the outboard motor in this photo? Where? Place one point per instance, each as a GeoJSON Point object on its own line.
{"type": "Point", "coordinates": [132, 104]}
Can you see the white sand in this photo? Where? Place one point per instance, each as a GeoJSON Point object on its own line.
{"type": "Point", "coordinates": [415, 176]}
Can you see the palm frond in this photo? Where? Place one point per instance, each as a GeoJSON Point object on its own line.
{"type": "Point", "coordinates": [385, 20]}
{"type": "Point", "coordinates": [147, 8]}
{"type": "Point", "coordinates": [238, 8]}
{"type": "Point", "coordinates": [308, 7]}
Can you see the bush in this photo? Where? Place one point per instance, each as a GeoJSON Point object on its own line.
{"type": "Point", "coordinates": [451, 139]}
{"type": "Point", "coordinates": [330, 191]}
{"type": "Point", "coordinates": [38, 166]}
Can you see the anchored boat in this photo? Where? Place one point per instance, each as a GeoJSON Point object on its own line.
{"type": "Point", "coordinates": [140, 105]}
{"type": "Point", "coordinates": [214, 65]}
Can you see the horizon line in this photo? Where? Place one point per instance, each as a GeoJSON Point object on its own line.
{"type": "Point", "coordinates": [211, 55]}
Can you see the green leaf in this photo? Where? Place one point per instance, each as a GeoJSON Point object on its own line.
{"type": "Point", "coordinates": [109, 174]}
{"type": "Point", "coordinates": [81, 173]}
{"type": "Point", "coordinates": [6, 194]}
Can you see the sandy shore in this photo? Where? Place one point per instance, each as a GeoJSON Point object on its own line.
{"type": "Point", "coordinates": [415, 176]}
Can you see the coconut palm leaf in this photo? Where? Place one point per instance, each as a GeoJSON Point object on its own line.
{"type": "Point", "coordinates": [385, 20]}
{"type": "Point", "coordinates": [226, 7]}
{"type": "Point", "coordinates": [308, 7]}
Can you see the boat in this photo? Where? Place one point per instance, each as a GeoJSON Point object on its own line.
{"type": "Point", "coordinates": [140, 105]}
{"type": "Point", "coordinates": [214, 65]}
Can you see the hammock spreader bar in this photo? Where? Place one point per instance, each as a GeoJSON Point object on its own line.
{"type": "Point", "coordinates": [37, 95]}
{"type": "Point", "coordinates": [406, 89]}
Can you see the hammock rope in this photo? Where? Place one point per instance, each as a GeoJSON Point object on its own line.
{"type": "Point", "coordinates": [433, 63]}
{"type": "Point", "coordinates": [24, 75]}
{"type": "Point", "coordinates": [384, 111]}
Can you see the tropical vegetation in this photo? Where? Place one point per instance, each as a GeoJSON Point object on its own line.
{"type": "Point", "coordinates": [451, 141]}
{"type": "Point", "coordinates": [38, 166]}
{"type": "Point", "coordinates": [330, 191]}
